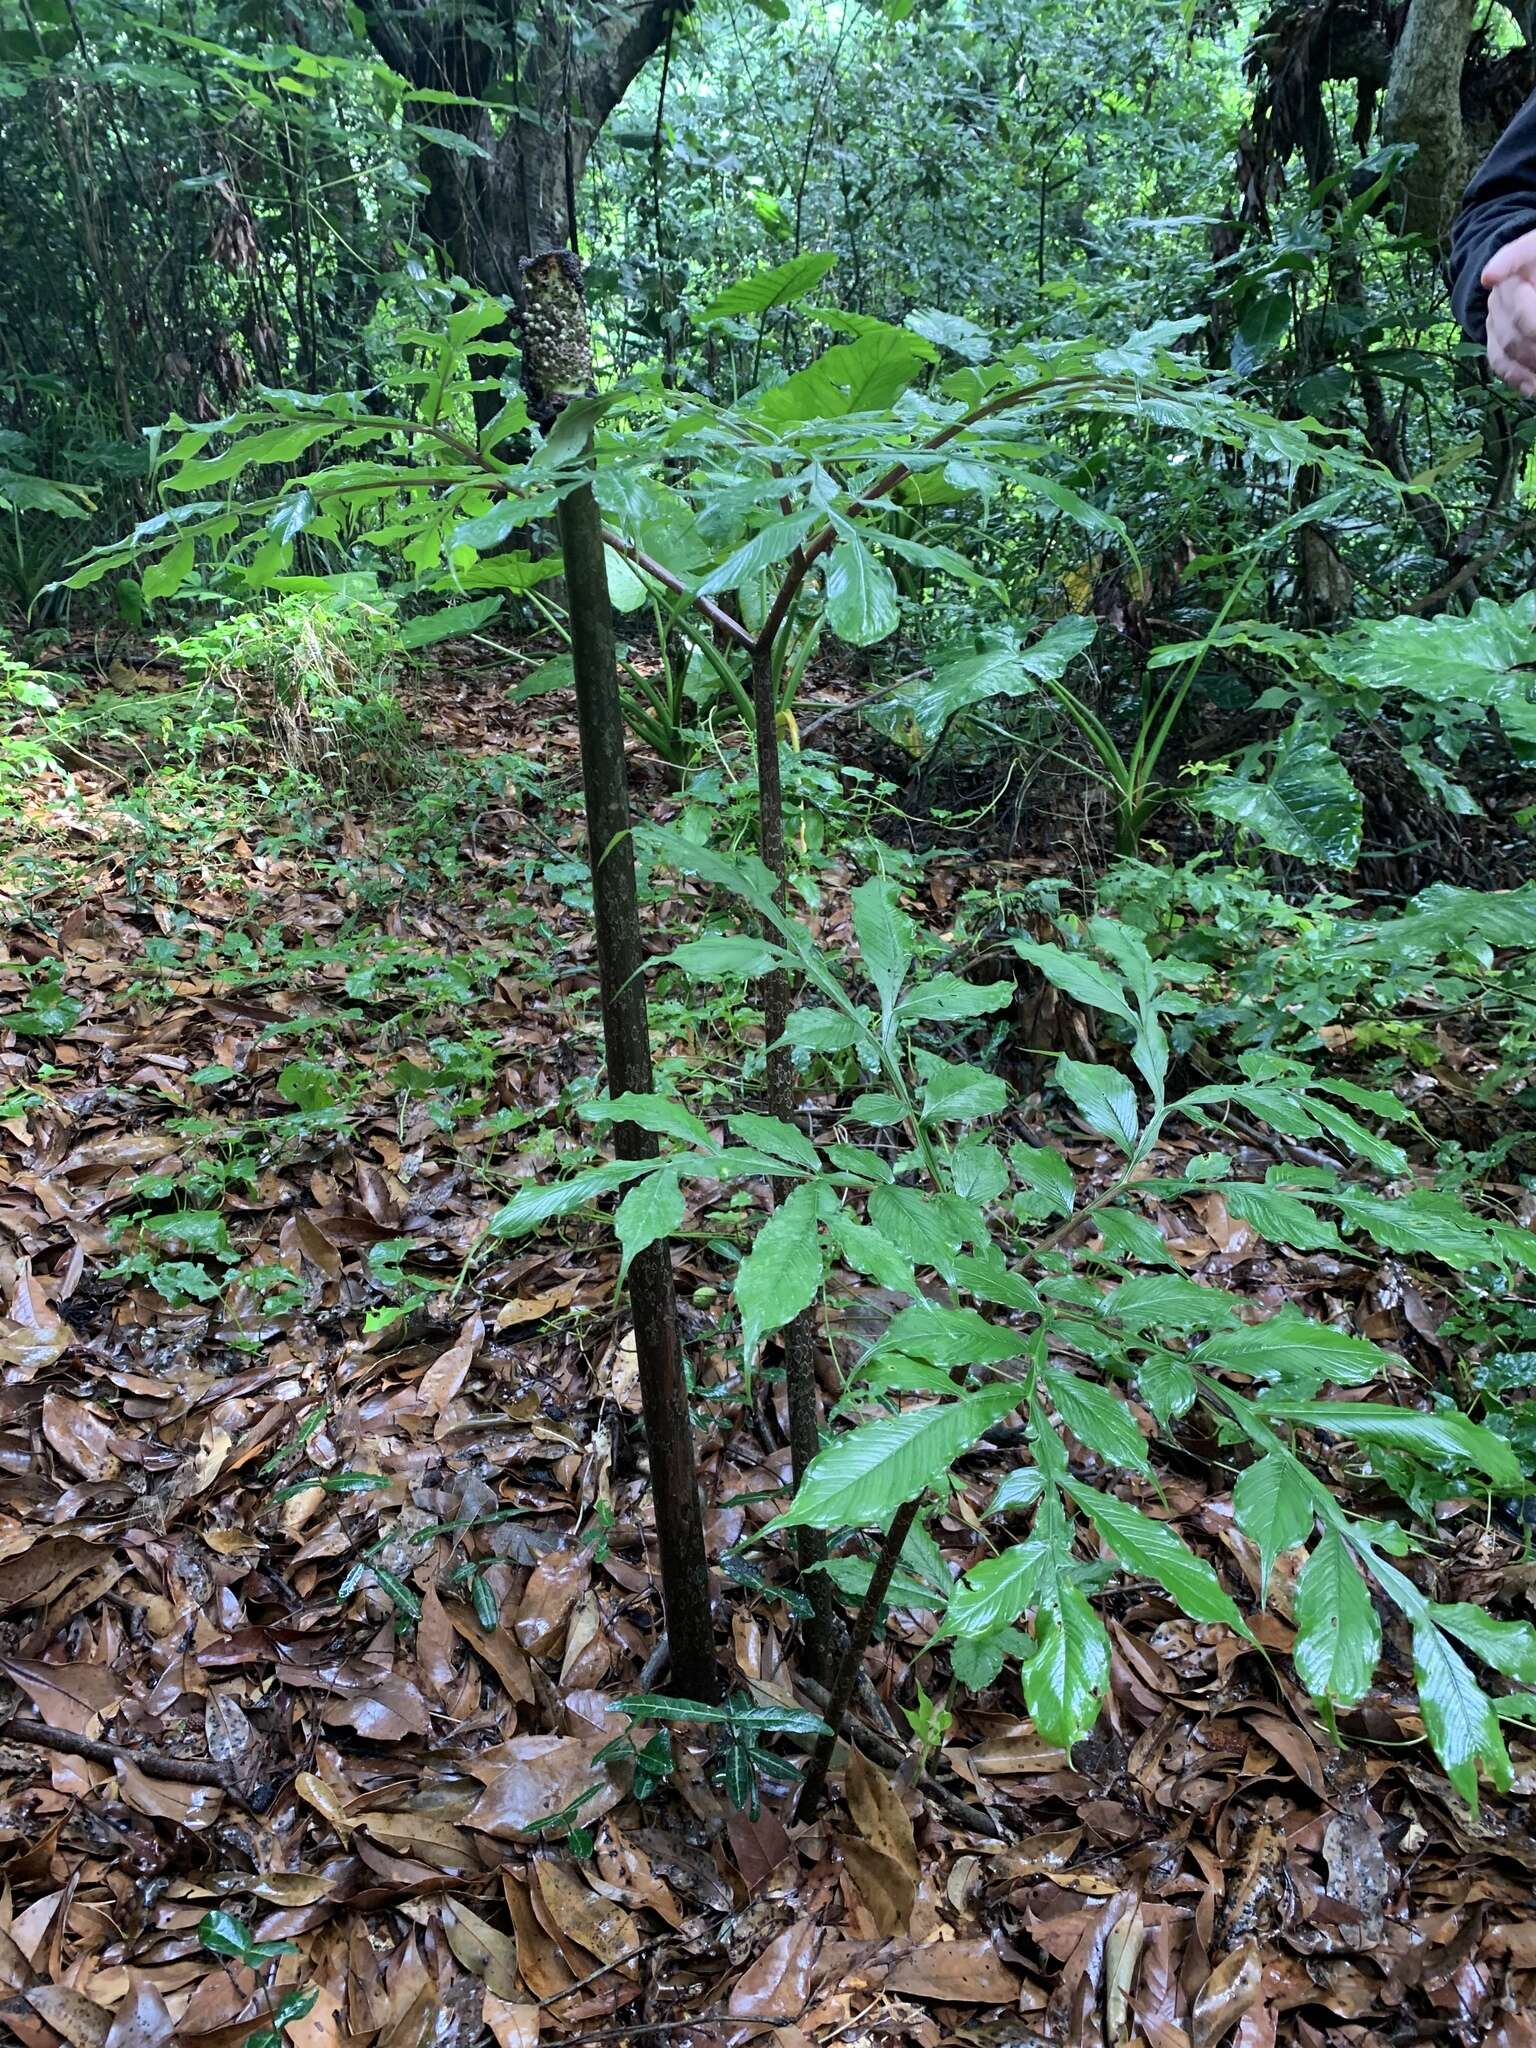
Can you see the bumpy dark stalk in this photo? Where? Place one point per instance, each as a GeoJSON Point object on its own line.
{"type": "Point", "coordinates": [559, 368]}
{"type": "Point", "coordinates": [776, 995]}
{"type": "Point", "coordinates": [859, 1638]}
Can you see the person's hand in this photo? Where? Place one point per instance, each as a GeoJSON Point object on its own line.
{"type": "Point", "coordinates": [1509, 278]}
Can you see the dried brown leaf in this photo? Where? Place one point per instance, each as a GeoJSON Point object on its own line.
{"type": "Point", "coordinates": [779, 1981]}
{"type": "Point", "coordinates": [1230, 1991]}
{"type": "Point", "coordinates": [482, 1949]}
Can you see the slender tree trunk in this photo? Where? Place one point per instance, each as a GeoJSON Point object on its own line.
{"type": "Point", "coordinates": [558, 364]}
{"type": "Point", "coordinates": [775, 995]}
{"type": "Point", "coordinates": [1423, 106]}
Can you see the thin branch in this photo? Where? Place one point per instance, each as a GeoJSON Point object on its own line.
{"type": "Point", "coordinates": [155, 1763]}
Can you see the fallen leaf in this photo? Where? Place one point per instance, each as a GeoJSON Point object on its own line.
{"type": "Point", "coordinates": [34, 1334]}
{"type": "Point", "coordinates": [1229, 1991]}
{"type": "Point", "coordinates": [539, 1962]}
{"type": "Point", "coordinates": [533, 1777]}
{"type": "Point", "coordinates": [961, 1972]}
{"type": "Point", "coordinates": [82, 2022]}
{"type": "Point", "coordinates": [554, 1586]}
{"type": "Point", "coordinates": [600, 1926]}
{"type": "Point", "coordinates": [143, 2019]}
{"type": "Point", "coordinates": [779, 1982]}
{"type": "Point", "coordinates": [488, 1954]}
{"type": "Point", "coordinates": [512, 2025]}
{"type": "Point", "coordinates": [80, 1436]}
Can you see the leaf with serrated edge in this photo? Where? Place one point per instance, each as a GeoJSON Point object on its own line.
{"type": "Point", "coordinates": [781, 1274]}
{"type": "Point", "coordinates": [862, 1476]}
{"type": "Point", "coordinates": [1273, 1509]}
{"type": "Point", "coordinates": [1155, 1549]}
{"type": "Point", "coordinates": [1459, 1719]}
{"type": "Point", "coordinates": [1338, 1638]}
{"type": "Point", "coordinates": [1067, 1676]}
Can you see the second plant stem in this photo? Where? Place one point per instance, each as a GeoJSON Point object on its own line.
{"type": "Point", "coordinates": [775, 996]}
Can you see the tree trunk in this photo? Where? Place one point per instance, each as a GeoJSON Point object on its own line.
{"type": "Point", "coordinates": [1423, 106]}
{"type": "Point", "coordinates": [491, 206]}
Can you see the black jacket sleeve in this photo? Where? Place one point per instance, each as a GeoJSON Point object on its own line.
{"type": "Point", "coordinates": [1499, 204]}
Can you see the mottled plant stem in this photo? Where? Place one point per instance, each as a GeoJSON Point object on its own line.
{"type": "Point", "coordinates": [558, 365]}
{"type": "Point", "coordinates": [775, 995]}
{"type": "Point", "coordinates": [859, 1638]}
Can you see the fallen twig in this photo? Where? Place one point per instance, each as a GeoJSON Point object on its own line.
{"type": "Point", "coordinates": [974, 1819]}
{"type": "Point", "coordinates": [155, 1763]}
{"type": "Point", "coordinates": [636, 2029]}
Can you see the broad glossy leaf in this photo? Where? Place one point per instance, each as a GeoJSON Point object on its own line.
{"type": "Point", "coordinates": [1084, 979]}
{"type": "Point", "coordinates": [1444, 920]}
{"type": "Point", "coordinates": [1153, 1548]}
{"type": "Point", "coordinates": [1065, 499]}
{"type": "Point", "coordinates": [959, 1094]}
{"type": "Point", "coordinates": [1435, 1225]}
{"type": "Point", "coordinates": [658, 1113]}
{"type": "Point", "coordinates": [449, 623]}
{"type": "Point", "coordinates": [885, 935]}
{"type": "Point", "coordinates": [1365, 1143]}
{"type": "Point", "coordinates": [945, 998]}
{"type": "Point", "coordinates": [1282, 1217]}
{"type": "Point", "coordinates": [721, 956]}
{"type": "Point", "coordinates": [1066, 1678]}
{"type": "Point", "coordinates": [1508, 1646]}
{"type": "Point", "coordinates": [772, 1134]}
{"type": "Point", "coordinates": [960, 336]}
{"type": "Point", "coordinates": [820, 1030]}
{"type": "Point", "coordinates": [1048, 1172]}
{"type": "Point", "coordinates": [1103, 1098]}
{"type": "Point", "coordinates": [1099, 1419]}
{"type": "Point", "coordinates": [868, 1251]}
{"type": "Point", "coordinates": [165, 577]}
{"type": "Point", "coordinates": [874, 1469]}
{"type": "Point", "coordinates": [627, 589]}
{"type": "Point", "coordinates": [1338, 1638]}
{"type": "Point", "coordinates": [1291, 1349]}
{"type": "Point", "coordinates": [1458, 1716]}
{"type": "Point", "coordinates": [1265, 321]}
{"type": "Point", "coordinates": [998, 1590]}
{"type": "Point", "coordinates": [1020, 1488]}
{"type": "Point", "coordinates": [1001, 670]}
{"type": "Point", "coordinates": [652, 1209]}
{"type": "Point", "coordinates": [1167, 1385]}
{"type": "Point", "coordinates": [531, 1206]}
{"type": "Point", "coordinates": [977, 1169]}
{"type": "Point", "coordinates": [1450, 1439]}
{"type": "Point", "coordinates": [291, 515]}
{"type": "Point", "coordinates": [1482, 659]}
{"type": "Point", "coordinates": [1306, 806]}
{"type": "Point", "coordinates": [928, 1228]}
{"type": "Point", "coordinates": [860, 376]}
{"type": "Point", "coordinates": [1272, 1508]}
{"type": "Point", "coordinates": [989, 1279]}
{"type": "Point", "coordinates": [1130, 1238]}
{"type": "Point", "coordinates": [862, 606]}
{"type": "Point", "coordinates": [771, 544]}
{"type": "Point", "coordinates": [952, 1336]}
{"type": "Point", "coordinates": [782, 1272]}
{"type": "Point", "coordinates": [766, 289]}
{"type": "Point", "coordinates": [1168, 1301]}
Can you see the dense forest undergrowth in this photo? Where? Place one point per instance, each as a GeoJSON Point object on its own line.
{"type": "Point", "coordinates": [276, 1070]}
{"type": "Point", "coordinates": [1074, 1168]}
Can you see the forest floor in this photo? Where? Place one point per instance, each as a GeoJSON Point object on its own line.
{"type": "Point", "coordinates": [309, 1489]}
